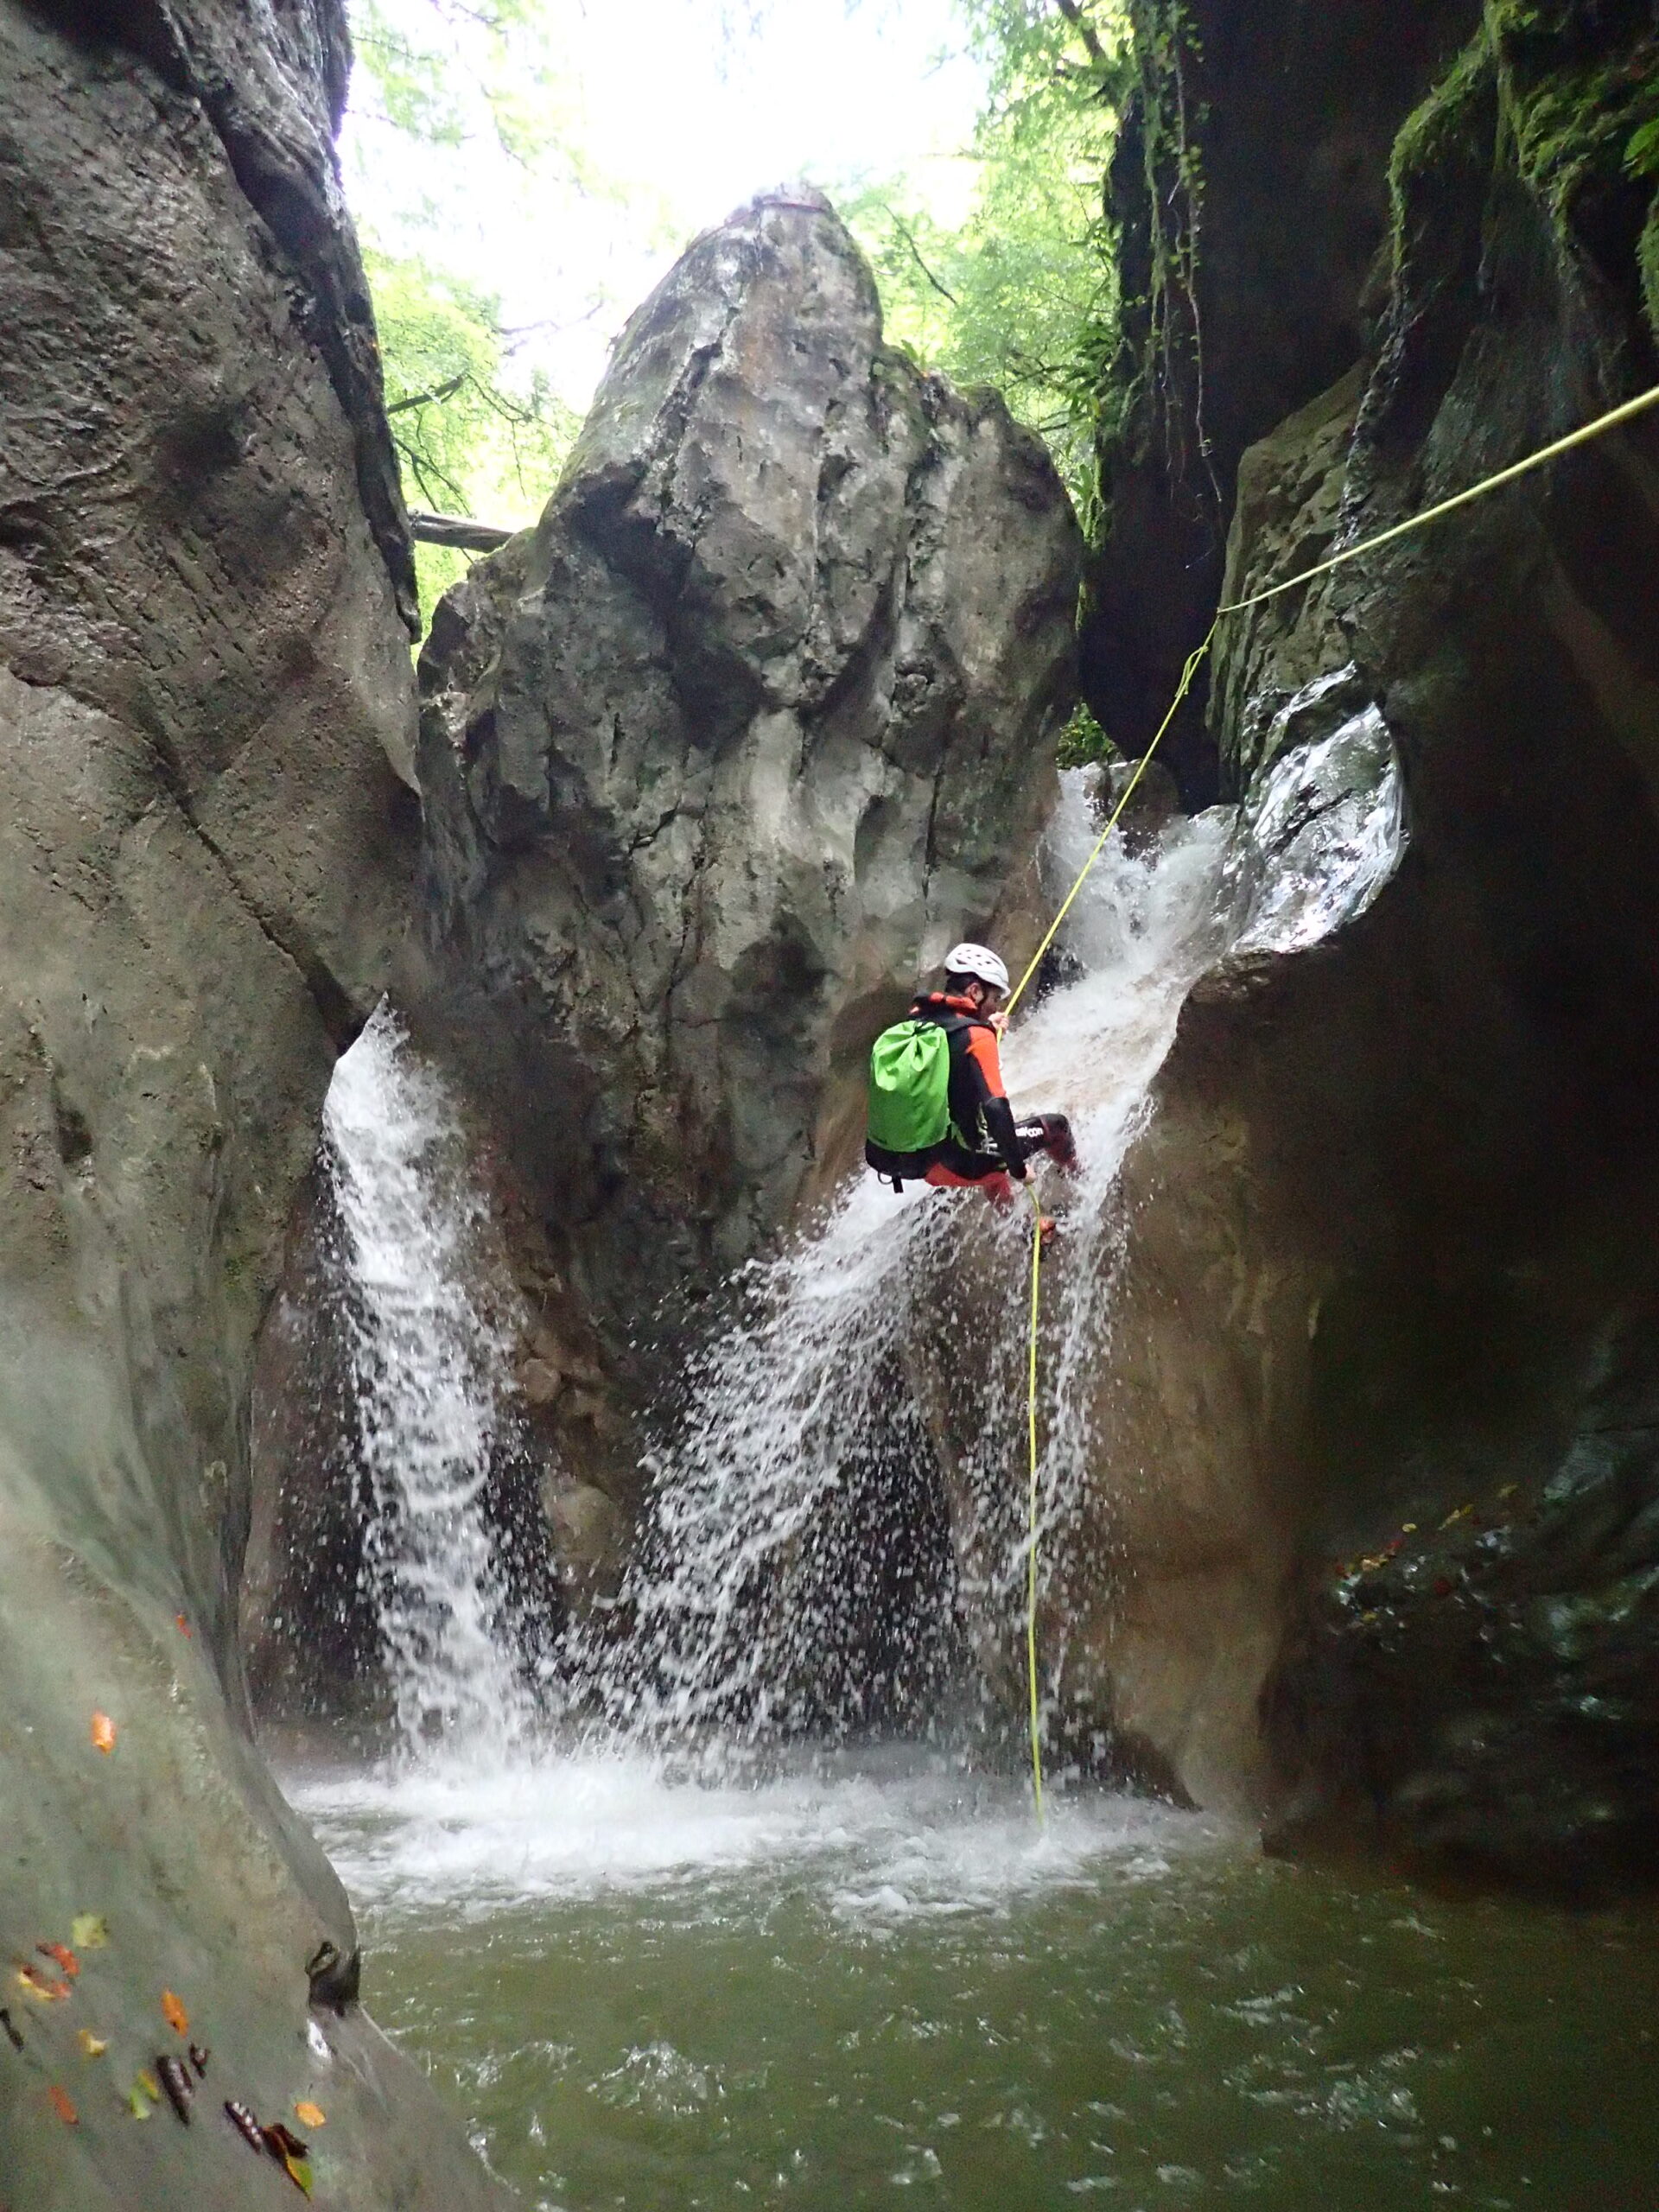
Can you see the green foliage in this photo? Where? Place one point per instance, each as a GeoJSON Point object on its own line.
{"type": "Point", "coordinates": [1584, 112]}
{"type": "Point", "coordinates": [1022, 294]}
{"type": "Point", "coordinates": [1027, 295]}
{"type": "Point", "coordinates": [450, 70]}
{"type": "Point", "coordinates": [1451, 128]}
{"type": "Point", "coordinates": [1442, 118]}
{"type": "Point", "coordinates": [1083, 741]}
{"type": "Point", "coordinates": [471, 436]}
{"type": "Point", "coordinates": [1577, 116]}
{"type": "Point", "coordinates": [477, 429]}
{"type": "Point", "coordinates": [406, 77]}
{"type": "Point", "coordinates": [462, 424]}
{"type": "Point", "coordinates": [1642, 151]}
{"type": "Point", "coordinates": [1578, 104]}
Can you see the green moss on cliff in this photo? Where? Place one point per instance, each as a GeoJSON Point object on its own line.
{"type": "Point", "coordinates": [1575, 94]}
{"type": "Point", "coordinates": [1449, 119]}
{"type": "Point", "coordinates": [1578, 102]}
{"type": "Point", "coordinates": [1448, 134]}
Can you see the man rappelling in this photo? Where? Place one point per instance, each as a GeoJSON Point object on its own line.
{"type": "Point", "coordinates": [938, 1113]}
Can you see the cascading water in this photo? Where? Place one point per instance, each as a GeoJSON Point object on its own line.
{"type": "Point", "coordinates": [797, 1573]}
{"type": "Point", "coordinates": [769, 1570]}
{"type": "Point", "coordinates": [780, 1573]}
{"type": "Point", "coordinates": [426, 1362]}
{"type": "Point", "coordinates": [764, 1562]}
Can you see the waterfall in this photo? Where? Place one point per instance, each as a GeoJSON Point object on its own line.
{"type": "Point", "coordinates": [767, 1564]}
{"type": "Point", "coordinates": [788, 1408]}
{"type": "Point", "coordinates": [803, 1567]}
{"type": "Point", "coordinates": [773, 1567]}
{"type": "Point", "coordinates": [426, 1363]}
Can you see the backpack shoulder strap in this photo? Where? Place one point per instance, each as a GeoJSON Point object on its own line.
{"type": "Point", "coordinates": [953, 1024]}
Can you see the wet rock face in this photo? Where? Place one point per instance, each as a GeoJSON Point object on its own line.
{"type": "Point", "coordinates": [1483, 1684]}
{"type": "Point", "coordinates": [1389, 1250]}
{"type": "Point", "coordinates": [306, 1605]}
{"type": "Point", "coordinates": [1300, 110]}
{"type": "Point", "coordinates": [205, 850]}
{"type": "Point", "coordinates": [754, 724]}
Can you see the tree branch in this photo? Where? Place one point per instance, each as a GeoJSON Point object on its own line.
{"type": "Point", "coordinates": [1085, 30]}
{"type": "Point", "coordinates": [424, 398]}
{"type": "Point", "coordinates": [456, 530]}
{"type": "Point", "coordinates": [943, 290]}
{"type": "Point", "coordinates": [426, 471]}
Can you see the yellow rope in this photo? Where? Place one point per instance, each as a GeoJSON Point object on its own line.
{"type": "Point", "coordinates": [1031, 1511]}
{"type": "Point", "coordinates": [1053, 931]}
{"type": "Point", "coordinates": [1581, 436]}
{"type": "Point", "coordinates": [1623, 413]}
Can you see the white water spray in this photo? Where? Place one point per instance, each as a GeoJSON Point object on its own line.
{"type": "Point", "coordinates": [801, 1419]}
{"type": "Point", "coordinates": [763, 1570]}
{"type": "Point", "coordinates": [427, 1362]}
{"type": "Point", "coordinates": [803, 1414]}
{"type": "Point", "coordinates": [766, 1598]}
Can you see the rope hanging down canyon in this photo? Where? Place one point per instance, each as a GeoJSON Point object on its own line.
{"type": "Point", "coordinates": [1623, 413]}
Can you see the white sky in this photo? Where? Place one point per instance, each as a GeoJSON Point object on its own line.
{"type": "Point", "coordinates": [688, 125]}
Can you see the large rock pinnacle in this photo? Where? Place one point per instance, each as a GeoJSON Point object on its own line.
{"type": "Point", "coordinates": [756, 721]}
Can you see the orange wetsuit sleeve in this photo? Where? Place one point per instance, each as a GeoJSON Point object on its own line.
{"type": "Point", "coordinates": [997, 1113]}
{"type": "Point", "coordinates": [982, 1047]}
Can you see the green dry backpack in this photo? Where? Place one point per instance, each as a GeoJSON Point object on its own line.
{"type": "Point", "coordinates": [910, 1086]}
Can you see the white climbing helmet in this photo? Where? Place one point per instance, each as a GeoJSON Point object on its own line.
{"type": "Point", "coordinates": [977, 960]}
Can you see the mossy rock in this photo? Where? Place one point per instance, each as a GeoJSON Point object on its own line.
{"type": "Point", "coordinates": [1578, 118]}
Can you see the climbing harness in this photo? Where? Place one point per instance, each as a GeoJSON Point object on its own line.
{"type": "Point", "coordinates": [1623, 413]}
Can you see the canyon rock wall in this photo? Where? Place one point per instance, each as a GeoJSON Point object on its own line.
{"type": "Point", "coordinates": [718, 759]}
{"type": "Point", "coordinates": [206, 831]}
{"type": "Point", "coordinates": [1378, 1451]}
{"type": "Point", "coordinates": [1250, 192]}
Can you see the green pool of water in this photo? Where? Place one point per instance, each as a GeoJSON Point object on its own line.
{"type": "Point", "coordinates": [881, 1988]}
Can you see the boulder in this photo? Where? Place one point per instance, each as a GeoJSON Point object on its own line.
{"type": "Point", "coordinates": [720, 757]}
{"type": "Point", "coordinates": [205, 834]}
{"type": "Point", "coordinates": [589, 1538]}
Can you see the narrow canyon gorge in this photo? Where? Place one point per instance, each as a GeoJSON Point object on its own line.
{"type": "Point", "coordinates": [445, 1314]}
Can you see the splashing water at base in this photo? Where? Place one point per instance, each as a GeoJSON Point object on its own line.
{"type": "Point", "coordinates": [870, 1981]}
{"type": "Point", "coordinates": [425, 1359]}
{"type": "Point", "coordinates": [898, 1830]}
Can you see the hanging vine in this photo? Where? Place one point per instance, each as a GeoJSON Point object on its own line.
{"type": "Point", "coordinates": [1165, 381]}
